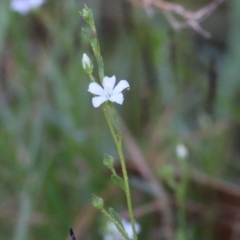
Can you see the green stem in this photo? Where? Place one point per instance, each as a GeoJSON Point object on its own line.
{"type": "Point", "coordinates": [91, 77]}
{"type": "Point", "coordinates": [88, 16]}
{"type": "Point", "coordinates": [124, 171]}
{"type": "Point", "coordinates": [128, 194]}
{"type": "Point", "coordinates": [181, 197]}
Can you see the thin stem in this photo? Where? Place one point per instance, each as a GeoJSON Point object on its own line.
{"type": "Point", "coordinates": [91, 77]}
{"type": "Point", "coordinates": [181, 196]}
{"type": "Point", "coordinates": [124, 171]}
{"type": "Point", "coordinates": [113, 171]}
{"type": "Point", "coordinates": [128, 194]}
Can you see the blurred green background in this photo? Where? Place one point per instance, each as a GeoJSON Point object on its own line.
{"type": "Point", "coordinates": [184, 89]}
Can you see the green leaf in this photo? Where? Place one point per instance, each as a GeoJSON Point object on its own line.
{"type": "Point", "coordinates": [87, 33]}
{"type": "Point", "coordinates": [115, 121]}
{"type": "Point", "coordinates": [115, 216]}
{"type": "Point", "coordinates": [119, 226]}
{"type": "Point", "coordinates": [118, 181]}
{"type": "Point", "coordinates": [97, 53]}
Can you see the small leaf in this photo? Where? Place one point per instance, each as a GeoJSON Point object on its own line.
{"type": "Point", "coordinates": [87, 34]}
{"type": "Point", "coordinates": [119, 226]}
{"type": "Point", "coordinates": [118, 181]}
{"type": "Point", "coordinates": [115, 216]}
{"type": "Point", "coordinates": [115, 121]}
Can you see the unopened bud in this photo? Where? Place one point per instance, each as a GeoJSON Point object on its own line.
{"type": "Point", "coordinates": [86, 63]}
{"type": "Point", "coordinates": [97, 202]}
{"type": "Point", "coordinates": [108, 161]}
{"type": "Point", "coordinates": [181, 151]}
{"type": "Point", "coordinates": [86, 13]}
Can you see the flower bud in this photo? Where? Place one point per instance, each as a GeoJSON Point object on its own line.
{"type": "Point", "coordinates": [181, 151]}
{"type": "Point", "coordinates": [86, 13]}
{"type": "Point", "coordinates": [87, 64]}
{"type": "Point", "coordinates": [108, 161]}
{"type": "Point", "coordinates": [97, 202]}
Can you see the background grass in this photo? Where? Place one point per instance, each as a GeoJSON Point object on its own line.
{"type": "Point", "coordinates": [184, 88]}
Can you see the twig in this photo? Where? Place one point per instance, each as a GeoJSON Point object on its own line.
{"type": "Point", "coordinates": [189, 19]}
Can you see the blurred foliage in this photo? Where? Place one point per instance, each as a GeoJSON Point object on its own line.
{"type": "Point", "coordinates": [52, 141]}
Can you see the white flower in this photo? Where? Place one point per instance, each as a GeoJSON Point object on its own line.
{"type": "Point", "coordinates": [108, 92]}
{"type": "Point", "coordinates": [86, 63]}
{"type": "Point", "coordinates": [24, 6]}
{"type": "Point", "coordinates": [128, 228]}
{"type": "Point", "coordinates": [181, 151]}
{"type": "Point", "coordinates": [112, 233]}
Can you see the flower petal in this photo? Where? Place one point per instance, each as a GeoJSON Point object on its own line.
{"type": "Point", "coordinates": [109, 82]}
{"type": "Point", "coordinates": [118, 98]}
{"type": "Point", "coordinates": [97, 101]}
{"type": "Point", "coordinates": [96, 89]}
{"type": "Point", "coordinates": [23, 7]}
{"type": "Point", "coordinates": [120, 86]}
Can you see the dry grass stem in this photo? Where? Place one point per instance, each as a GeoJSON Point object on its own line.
{"type": "Point", "coordinates": [190, 19]}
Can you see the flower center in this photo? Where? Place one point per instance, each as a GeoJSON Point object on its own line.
{"type": "Point", "coordinates": [108, 92]}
